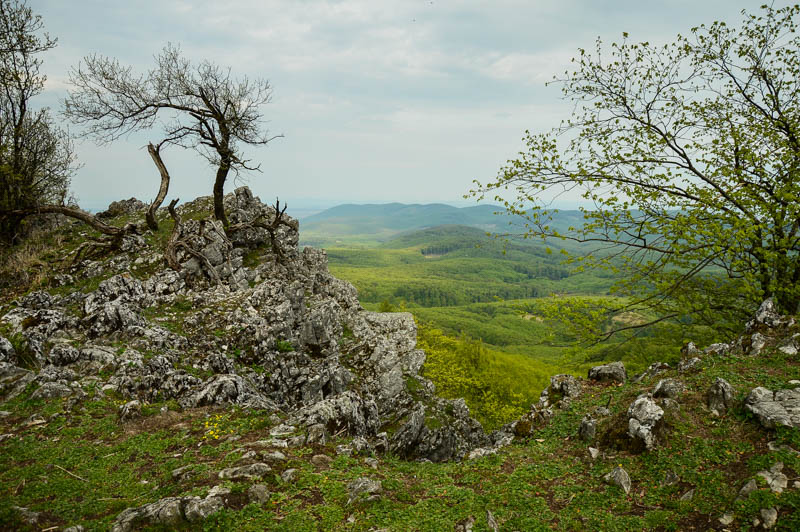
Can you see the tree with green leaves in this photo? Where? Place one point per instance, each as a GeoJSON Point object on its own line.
{"type": "Point", "coordinates": [36, 156]}
{"type": "Point", "coordinates": [690, 156]}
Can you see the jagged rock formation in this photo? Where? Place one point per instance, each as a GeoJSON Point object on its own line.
{"type": "Point", "coordinates": [279, 334]}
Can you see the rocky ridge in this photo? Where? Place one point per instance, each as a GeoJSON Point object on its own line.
{"type": "Point", "coordinates": [279, 334]}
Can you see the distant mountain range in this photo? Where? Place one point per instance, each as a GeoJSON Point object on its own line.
{"type": "Point", "coordinates": [372, 224]}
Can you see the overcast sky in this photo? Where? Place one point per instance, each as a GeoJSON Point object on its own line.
{"type": "Point", "coordinates": [378, 101]}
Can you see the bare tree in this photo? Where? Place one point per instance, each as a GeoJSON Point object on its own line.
{"type": "Point", "coordinates": [201, 107]}
{"type": "Point", "coordinates": [36, 157]}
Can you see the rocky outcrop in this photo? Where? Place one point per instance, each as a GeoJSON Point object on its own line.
{"type": "Point", "coordinates": [775, 408]}
{"type": "Point", "coordinates": [644, 420]}
{"type": "Point", "coordinates": [280, 335]}
{"type": "Point", "coordinates": [613, 372]}
{"type": "Point", "coordinates": [720, 396]}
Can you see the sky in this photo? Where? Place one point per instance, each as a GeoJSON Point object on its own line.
{"type": "Point", "coordinates": [377, 101]}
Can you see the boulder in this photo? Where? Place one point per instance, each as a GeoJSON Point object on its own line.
{"type": "Point", "coordinates": [588, 429]}
{"type": "Point", "coordinates": [644, 418]}
{"type": "Point", "coordinates": [566, 385]}
{"type": "Point", "coordinates": [620, 478]}
{"type": "Point", "coordinates": [364, 488]}
{"type": "Point", "coordinates": [775, 408]}
{"type": "Point", "coordinates": [613, 372]}
{"type": "Point", "coordinates": [720, 396]}
{"type": "Point", "coordinates": [669, 388]}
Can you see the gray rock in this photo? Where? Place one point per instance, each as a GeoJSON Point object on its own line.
{"type": "Point", "coordinates": [7, 352]}
{"type": "Point", "coordinates": [167, 511]}
{"type": "Point", "coordinates": [321, 460]}
{"type": "Point", "coordinates": [670, 388]}
{"type": "Point", "coordinates": [619, 477]}
{"type": "Point", "coordinates": [588, 429]}
{"type": "Point", "coordinates": [364, 487]}
{"type": "Point", "coordinates": [130, 410]}
{"type": "Point", "coordinates": [290, 475]}
{"type": "Point", "coordinates": [688, 496]}
{"type": "Point", "coordinates": [689, 364]}
{"type": "Point", "coordinates": [769, 517]}
{"type": "Point", "coordinates": [776, 480]}
{"type": "Point", "coordinates": [644, 416]}
{"type": "Point", "coordinates": [726, 519]}
{"type": "Point", "coordinates": [720, 396]}
{"type": "Point", "coordinates": [182, 473]}
{"type": "Point", "coordinates": [747, 489]}
{"type": "Point", "coordinates": [196, 509]}
{"type": "Point", "coordinates": [566, 385]}
{"type": "Point", "coordinates": [258, 493]}
{"type": "Point", "coordinates": [63, 354]}
{"type": "Point", "coordinates": [614, 372]}
{"type": "Point", "coordinates": [775, 408]}
{"type": "Point", "coordinates": [246, 472]}
{"type": "Point", "coordinates": [51, 390]}
{"type": "Point", "coordinates": [229, 389]}
{"type": "Point", "coordinates": [594, 453]}
{"type": "Point", "coordinates": [273, 456]}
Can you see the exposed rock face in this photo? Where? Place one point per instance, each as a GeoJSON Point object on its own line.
{"type": "Point", "coordinates": [171, 511]}
{"type": "Point", "coordinates": [614, 372]}
{"type": "Point", "coordinates": [775, 408]}
{"type": "Point", "coordinates": [282, 336]}
{"type": "Point", "coordinates": [117, 208]}
{"type": "Point", "coordinates": [669, 388]}
{"type": "Point", "coordinates": [720, 396]}
{"type": "Point", "coordinates": [566, 385]}
{"type": "Point", "coordinates": [644, 416]}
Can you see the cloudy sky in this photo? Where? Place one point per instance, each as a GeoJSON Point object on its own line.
{"type": "Point", "coordinates": [377, 100]}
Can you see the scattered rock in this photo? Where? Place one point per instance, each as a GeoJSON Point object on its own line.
{"type": "Point", "coordinates": [620, 478]}
{"type": "Point", "coordinates": [769, 516]}
{"type": "Point", "coordinates": [167, 512]}
{"type": "Point", "coordinates": [644, 418]}
{"type": "Point", "coordinates": [321, 460]}
{"type": "Point", "coordinates": [273, 456]}
{"type": "Point", "coordinates": [588, 429]}
{"type": "Point", "coordinates": [594, 453]}
{"type": "Point", "coordinates": [258, 493]}
{"type": "Point", "coordinates": [613, 372]}
{"type": "Point", "coordinates": [688, 496]}
{"type": "Point", "coordinates": [747, 489]}
{"type": "Point", "coordinates": [689, 364]}
{"type": "Point", "coordinates": [364, 487]}
{"type": "Point", "coordinates": [491, 521]}
{"type": "Point", "coordinates": [566, 385]}
{"type": "Point", "coordinates": [130, 410]}
{"type": "Point", "coordinates": [246, 472]}
{"type": "Point", "coordinates": [775, 408]}
{"type": "Point", "coordinates": [726, 519]}
{"type": "Point", "coordinates": [669, 388]}
{"type": "Point", "coordinates": [720, 396]}
{"type": "Point", "coordinates": [776, 480]}
{"type": "Point", "coordinates": [290, 475]}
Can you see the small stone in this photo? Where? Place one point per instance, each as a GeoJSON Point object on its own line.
{"type": "Point", "coordinates": [273, 456]}
{"type": "Point", "coordinates": [588, 429]}
{"type": "Point", "coordinates": [321, 460]}
{"type": "Point", "coordinates": [182, 472]}
{"type": "Point", "coordinates": [372, 462]}
{"type": "Point", "coordinates": [344, 450]}
{"type": "Point", "coordinates": [364, 487]}
{"type": "Point", "coordinates": [769, 516]}
{"type": "Point", "coordinates": [726, 519]}
{"type": "Point", "coordinates": [776, 480]}
{"type": "Point", "coordinates": [130, 410]}
{"type": "Point", "coordinates": [200, 509]}
{"type": "Point", "coordinates": [247, 472]}
{"type": "Point", "coordinates": [258, 493]}
{"type": "Point", "coordinates": [747, 489]}
{"type": "Point", "coordinates": [290, 475]}
{"type": "Point", "coordinates": [218, 491]}
{"type": "Point", "coordinates": [594, 453]}
{"type": "Point", "coordinates": [688, 496]}
{"type": "Point", "coordinates": [619, 477]}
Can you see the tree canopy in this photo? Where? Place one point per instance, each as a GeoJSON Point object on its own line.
{"type": "Point", "coordinates": [689, 154]}
{"type": "Point", "coordinates": [36, 156]}
{"type": "Point", "coordinates": [201, 107]}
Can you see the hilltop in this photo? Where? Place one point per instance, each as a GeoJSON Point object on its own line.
{"type": "Point", "coordinates": [249, 390]}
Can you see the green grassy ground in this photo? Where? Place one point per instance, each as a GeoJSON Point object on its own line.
{"type": "Point", "coordinates": [84, 467]}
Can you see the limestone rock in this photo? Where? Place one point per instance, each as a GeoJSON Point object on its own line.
{"type": "Point", "coordinates": [669, 388]}
{"type": "Point", "coordinates": [775, 408]}
{"type": "Point", "coordinates": [619, 477]}
{"type": "Point", "coordinates": [7, 352]}
{"type": "Point", "coordinates": [246, 472]}
{"type": "Point", "coordinates": [130, 410]}
{"type": "Point", "coordinates": [644, 416]}
{"type": "Point", "coordinates": [614, 372]}
{"type": "Point", "coordinates": [566, 385]}
{"type": "Point", "coordinates": [720, 396]}
{"type": "Point", "coordinates": [364, 487]}
{"type": "Point", "coordinates": [588, 429]}
{"type": "Point", "coordinates": [769, 517]}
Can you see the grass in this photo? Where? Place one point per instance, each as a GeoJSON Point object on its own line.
{"type": "Point", "coordinates": [84, 467]}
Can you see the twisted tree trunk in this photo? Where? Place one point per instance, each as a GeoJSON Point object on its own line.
{"type": "Point", "coordinates": [162, 190]}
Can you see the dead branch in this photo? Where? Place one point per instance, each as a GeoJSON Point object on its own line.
{"type": "Point", "coordinates": [271, 228]}
{"type": "Point", "coordinates": [155, 154]}
{"type": "Point", "coordinates": [170, 253]}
